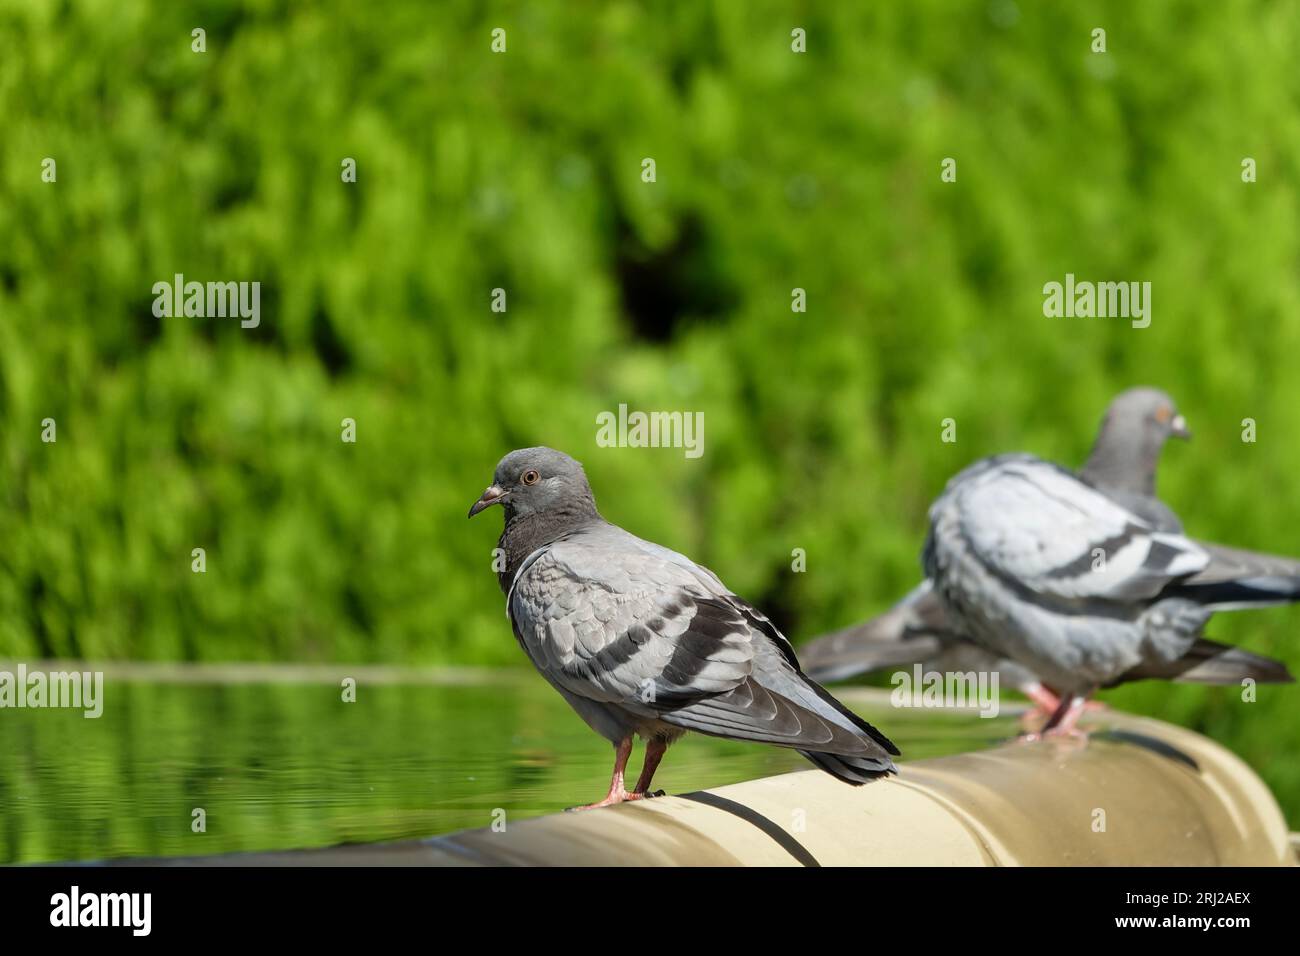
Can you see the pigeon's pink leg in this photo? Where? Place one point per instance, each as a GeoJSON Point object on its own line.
{"type": "Point", "coordinates": [654, 752]}
{"type": "Point", "coordinates": [617, 792]}
{"type": "Point", "coordinates": [1045, 702]}
{"type": "Point", "coordinates": [1062, 722]}
{"type": "Point", "coordinates": [1067, 715]}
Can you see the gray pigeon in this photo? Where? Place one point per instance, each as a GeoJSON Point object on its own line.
{"type": "Point", "coordinates": [1036, 565]}
{"type": "Point", "coordinates": [642, 640]}
{"type": "Point", "coordinates": [1122, 464]}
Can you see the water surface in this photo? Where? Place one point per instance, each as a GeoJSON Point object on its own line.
{"type": "Point", "coordinates": [278, 762]}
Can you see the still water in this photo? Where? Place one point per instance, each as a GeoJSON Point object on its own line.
{"type": "Point", "coordinates": [275, 762]}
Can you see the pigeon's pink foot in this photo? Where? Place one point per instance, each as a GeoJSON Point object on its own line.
{"type": "Point", "coordinates": [654, 752]}
{"type": "Point", "coordinates": [609, 801]}
{"type": "Point", "coordinates": [617, 792]}
{"type": "Point", "coordinates": [612, 798]}
{"type": "Point", "coordinates": [1061, 725]}
{"type": "Point", "coordinates": [1073, 733]}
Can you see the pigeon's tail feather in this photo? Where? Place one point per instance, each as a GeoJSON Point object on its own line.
{"type": "Point", "coordinates": [857, 721]}
{"type": "Point", "coordinates": [1235, 665]}
{"type": "Point", "coordinates": [1241, 593]}
{"type": "Point", "coordinates": [1211, 663]}
{"type": "Point", "coordinates": [862, 649]}
{"type": "Point", "coordinates": [851, 770]}
{"type": "Point", "coordinates": [1242, 579]}
{"type": "Point", "coordinates": [756, 712]}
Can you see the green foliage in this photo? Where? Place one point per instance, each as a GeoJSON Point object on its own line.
{"type": "Point", "coordinates": [522, 171]}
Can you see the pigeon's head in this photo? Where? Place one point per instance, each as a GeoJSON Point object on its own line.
{"type": "Point", "coordinates": [1138, 422]}
{"type": "Point", "coordinates": [1146, 417]}
{"type": "Point", "coordinates": [538, 480]}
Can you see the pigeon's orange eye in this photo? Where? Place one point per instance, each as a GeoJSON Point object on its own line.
{"type": "Point", "coordinates": [1163, 414]}
{"type": "Point", "coordinates": [530, 477]}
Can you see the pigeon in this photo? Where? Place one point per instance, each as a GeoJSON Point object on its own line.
{"type": "Point", "coordinates": [641, 640]}
{"type": "Point", "coordinates": [1036, 565]}
{"type": "Point", "coordinates": [1122, 464]}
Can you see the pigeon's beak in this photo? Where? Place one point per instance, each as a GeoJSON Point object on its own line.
{"type": "Point", "coordinates": [494, 495]}
{"type": "Point", "coordinates": [1178, 428]}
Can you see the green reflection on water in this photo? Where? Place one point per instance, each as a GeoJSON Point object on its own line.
{"type": "Point", "coordinates": [278, 765]}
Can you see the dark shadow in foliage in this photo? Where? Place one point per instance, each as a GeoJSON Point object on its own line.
{"type": "Point", "coordinates": [235, 184]}
{"type": "Point", "coordinates": [36, 592]}
{"type": "Point", "coordinates": [145, 327]}
{"type": "Point", "coordinates": [779, 603]}
{"type": "Point", "coordinates": [660, 287]}
{"type": "Point", "coordinates": [329, 347]}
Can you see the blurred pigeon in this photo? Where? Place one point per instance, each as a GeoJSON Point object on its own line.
{"type": "Point", "coordinates": [641, 640]}
{"type": "Point", "coordinates": [1038, 566]}
{"type": "Point", "coordinates": [1122, 464]}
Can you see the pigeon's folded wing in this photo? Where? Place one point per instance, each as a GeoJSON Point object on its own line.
{"type": "Point", "coordinates": [1150, 509]}
{"type": "Point", "coordinates": [1041, 529]}
{"type": "Point", "coordinates": [622, 627]}
{"type": "Point", "coordinates": [642, 629]}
